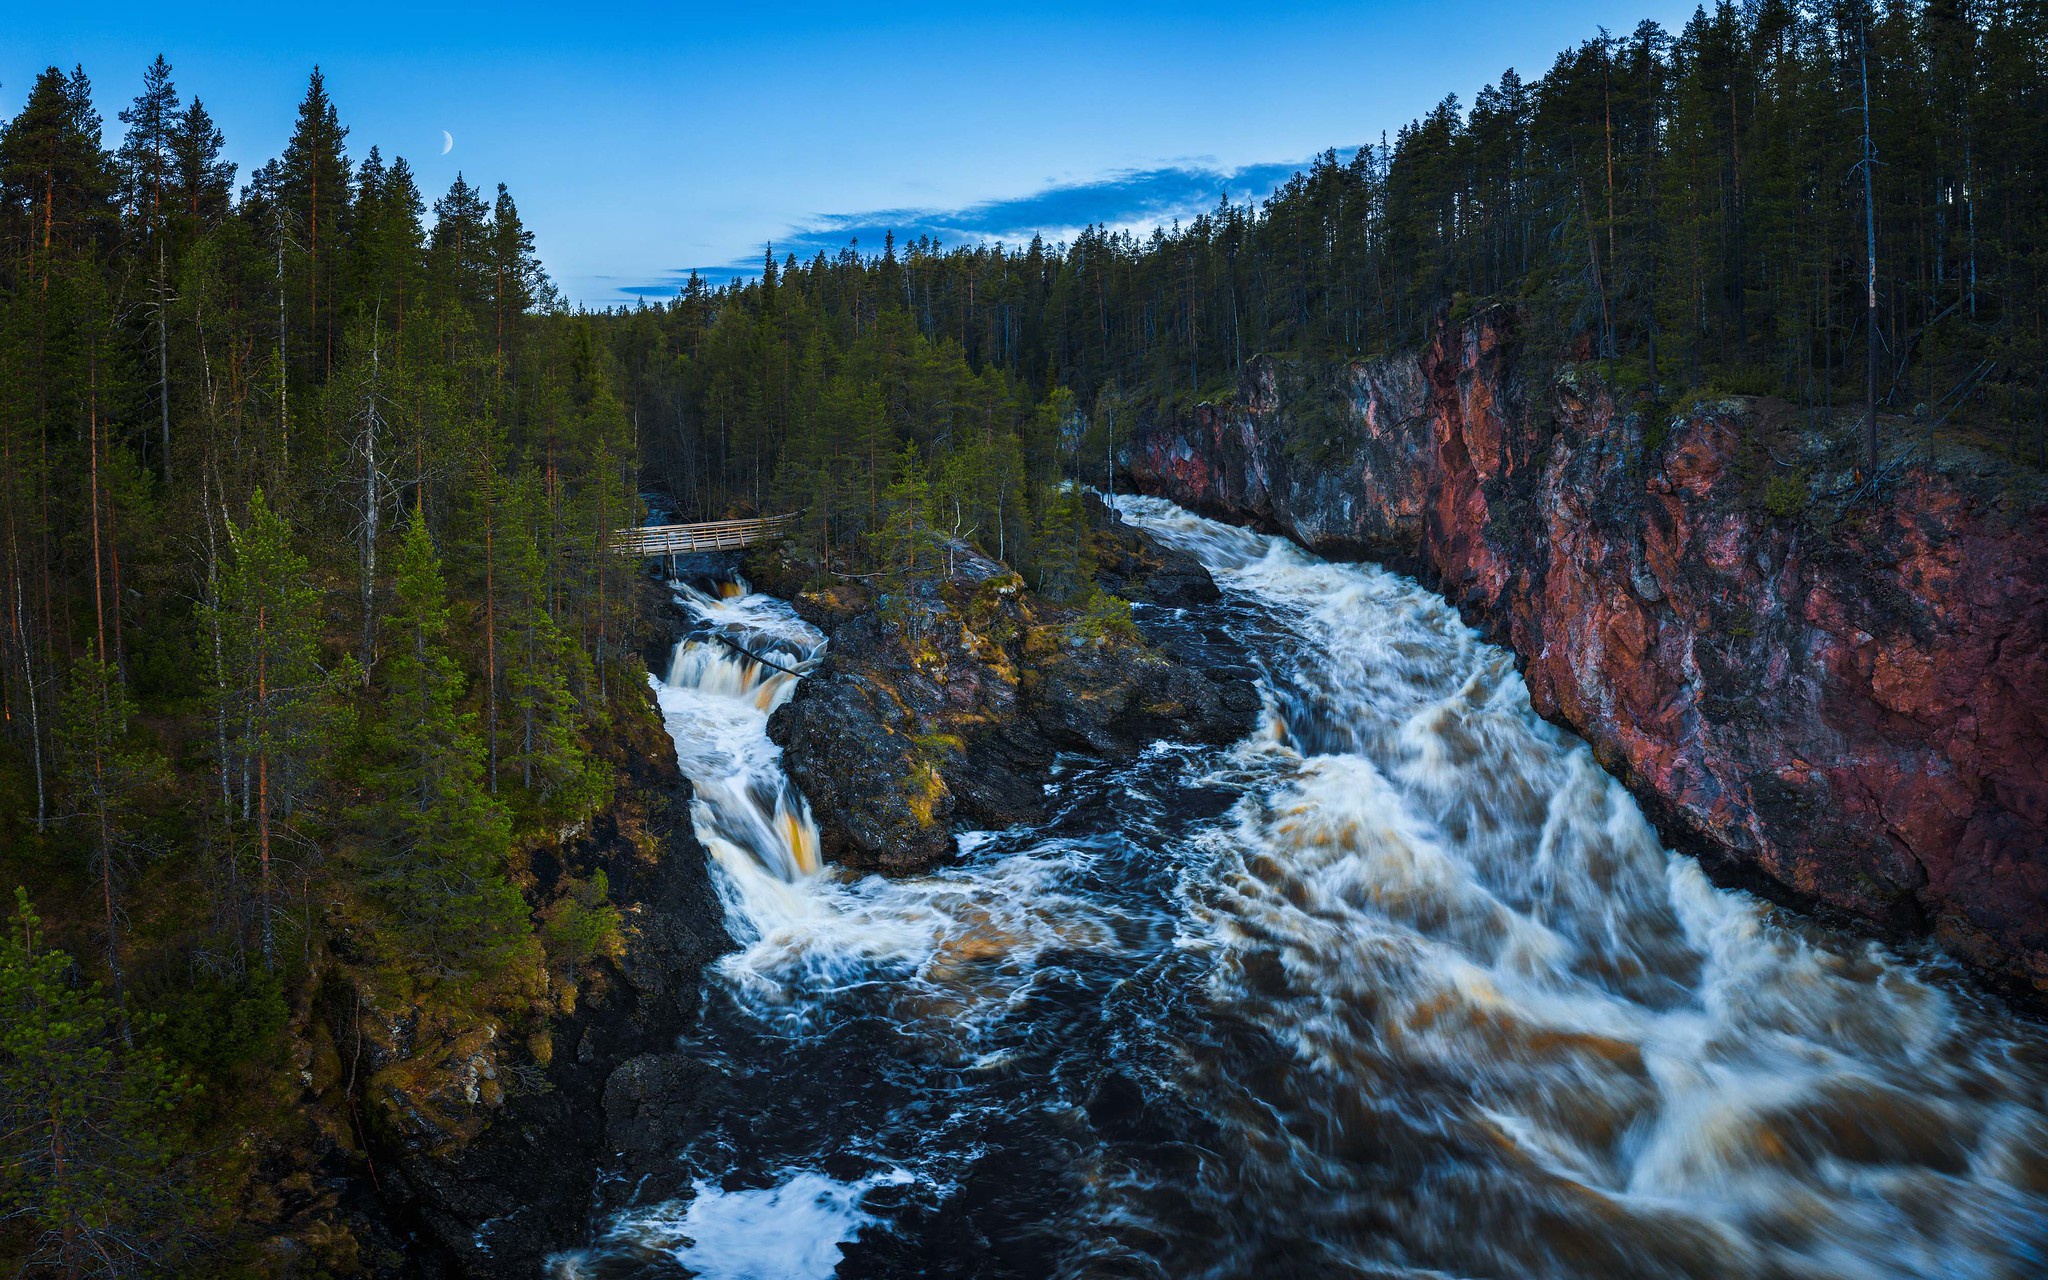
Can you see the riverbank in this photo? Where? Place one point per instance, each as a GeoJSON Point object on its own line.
{"type": "Point", "coordinates": [951, 706]}
{"type": "Point", "coordinates": [1837, 702]}
{"type": "Point", "coordinates": [437, 1149]}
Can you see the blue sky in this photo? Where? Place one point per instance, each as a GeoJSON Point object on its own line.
{"type": "Point", "coordinates": [642, 140]}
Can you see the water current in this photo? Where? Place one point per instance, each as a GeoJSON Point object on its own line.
{"type": "Point", "coordinates": [1401, 985]}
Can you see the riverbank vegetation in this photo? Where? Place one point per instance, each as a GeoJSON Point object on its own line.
{"type": "Point", "coordinates": [309, 643]}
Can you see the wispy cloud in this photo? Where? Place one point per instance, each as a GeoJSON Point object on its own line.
{"type": "Point", "coordinates": [1134, 199]}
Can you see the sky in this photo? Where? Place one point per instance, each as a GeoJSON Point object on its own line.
{"type": "Point", "coordinates": [642, 141]}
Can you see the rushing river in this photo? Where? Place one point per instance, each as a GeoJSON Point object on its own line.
{"type": "Point", "coordinates": [1403, 985]}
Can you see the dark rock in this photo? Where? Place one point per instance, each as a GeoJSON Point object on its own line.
{"type": "Point", "coordinates": [952, 711]}
{"type": "Point", "coordinates": [650, 1103]}
{"type": "Point", "coordinates": [1844, 705]}
{"type": "Point", "coordinates": [499, 1203]}
{"type": "Point", "coordinates": [1137, 567]}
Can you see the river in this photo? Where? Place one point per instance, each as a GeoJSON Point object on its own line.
{"type": "Point", "coordinates": [1402, 985]}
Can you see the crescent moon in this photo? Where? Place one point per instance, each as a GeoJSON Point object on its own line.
{"type": "Point", "coordinates": [447, 142]}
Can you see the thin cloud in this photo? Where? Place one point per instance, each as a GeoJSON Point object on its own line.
{"type": "Point", "coordinates": [1132, 199]}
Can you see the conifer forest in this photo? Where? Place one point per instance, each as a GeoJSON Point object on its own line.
{"type": "Point", "coordinates": [315, 656]}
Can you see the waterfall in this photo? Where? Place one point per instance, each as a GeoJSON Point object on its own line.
{"type": "Point", "coordinates": [721, 686]}
{"type": "Point", "coordinates": [1403, 984]}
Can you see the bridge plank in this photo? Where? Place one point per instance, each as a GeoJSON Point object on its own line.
{"type": "Point", "coordinates": [708, 535]}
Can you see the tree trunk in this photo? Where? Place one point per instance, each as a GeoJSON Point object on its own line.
{"type": "Point", "coordinates": [1869, 165]}
{"type": "Point", "coordinates": [263, 783]}
{"type": "Point", "coordinates": [163, 356]}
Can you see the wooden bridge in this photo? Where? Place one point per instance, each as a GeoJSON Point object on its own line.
{"type": "Point", "coordinates": [715, 535]}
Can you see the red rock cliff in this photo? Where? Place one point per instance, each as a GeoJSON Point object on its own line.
{"type": "Point", "coordinates": [1839, 702]}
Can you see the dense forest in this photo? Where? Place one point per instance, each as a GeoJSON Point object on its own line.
{"type": "Point", "coordinates": [309, 638]}
{"type": "Point", "coordinates": [1688, 210]}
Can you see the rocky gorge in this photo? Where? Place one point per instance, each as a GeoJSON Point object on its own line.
{"type": "Point", "coordinates": [957, 716]}
{"type": "Point", "coordinates": [1836, 700]}
{"type": "Point", "coordinates": [453, 1147]}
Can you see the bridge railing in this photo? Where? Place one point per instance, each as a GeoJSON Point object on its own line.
{"type": "Point", "coordinates": [711, 535]}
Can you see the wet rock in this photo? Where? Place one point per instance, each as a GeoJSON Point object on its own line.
{"type": "Point", "coordinates": [1839, 702]}
{"type": "Point", "coordinates": [487, 1159]}
{"type": "Point", "coordinates": [948, 708]}
{"type": "Point", "coordinates": [650, 1103]}
{"type": "Point", "coordinates": [1137, 567]}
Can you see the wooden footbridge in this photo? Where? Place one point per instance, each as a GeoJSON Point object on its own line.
{"type": "Point", "coordinates": [715, 535]}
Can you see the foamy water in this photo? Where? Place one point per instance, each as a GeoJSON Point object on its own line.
{"type": "Point", "coordinates": [1403, 984]}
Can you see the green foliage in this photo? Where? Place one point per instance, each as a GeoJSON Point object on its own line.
{"type": "Point", "coordinates": [1666, 205]}
{"type": "Point", "coordinates": [1786, 496]}
{"type": "Point", "coordinates": [436, 869]}
{"type": "Point", "coordinates": [106, 765]}
{"type": "Point", "coordinates": [219, 398]}
{"type": "Point", "coordinates": [1319, 410]}
{"type": "Point", "coordinates": [279, 713]}
{"type": "Point", "coordinates": [548, 681]}
{"type": "Point", "coordinates": [88, 1151]}
{"type": "Point", "coordinates": [1744, 380]}
{"type": "Point", "coordinates": [240, 717]}
{"type": "Point", "coordinates": [1106, 619]}
{"type": "Point", "coordinates": [1063, 550]}
{"type": "Point", "coordinates": [582, 925]}
{"type": "Point", "coordinates": [905, 544]}
{"type": "Point", "coordinates": [227, 1024]}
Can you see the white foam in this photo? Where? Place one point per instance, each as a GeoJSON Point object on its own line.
{"type": "Point", "coordinates": [791, 1231]}
{"type": "Point", "coordinates": [1467, 873]}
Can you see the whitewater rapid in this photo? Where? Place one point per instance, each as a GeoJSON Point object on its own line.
{"type": "Point", "coordinates": [1402, 985]}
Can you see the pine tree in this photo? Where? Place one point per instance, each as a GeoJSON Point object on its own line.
{"type": "Point", "coordinates": [106, 769]}
{"type": "Point", "coordinates": [147, 157]}
{"type": "Point", "coordinates": [202, 182]}
{"type": "Point", "coordinates": [283, 706]}
{"type": "Point", "coordinates": [1063, 556]}
{"type": "Point", "coordinates": [146, 160]}
{"type": "Point", "coordinates": [53, 169]}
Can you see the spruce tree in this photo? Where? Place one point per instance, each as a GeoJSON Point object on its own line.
{"type": "Point", "coordinates": [313, 190]}
{"type": "Point", "coordinates": [283, 707]}
{"type": "Point", "coordinates": [437, 872]}
{"type": "Point", "coordinates": [544, 670]}
{"type": "Point", "coordinates": [87, 1152]}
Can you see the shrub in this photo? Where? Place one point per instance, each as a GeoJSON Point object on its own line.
{"type": "Point", "coordinates": [1105, 617]}
{"type": "Point", "coordinates": [1746, 380]}
{"type": "Point", "coordinates": [1785, 496]}
{"type": "Point", "coordinates": [581, 924]}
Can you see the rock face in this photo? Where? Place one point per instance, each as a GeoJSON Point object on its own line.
{"type": "Point", "coordinates": [493, 1170]}
{"type": "Point", "coordinates": [1840, 702]}
{"type": "Point", "coordinates": [949, 707]}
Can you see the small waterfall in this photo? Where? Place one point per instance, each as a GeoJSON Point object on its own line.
{"type": "Point", "coordinates": [720, 689]}
{"type": "Point", "coordinates": [1403, 985]}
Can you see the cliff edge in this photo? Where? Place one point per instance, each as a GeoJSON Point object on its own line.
{"type": "Point", "coordinates": [1836, 700]}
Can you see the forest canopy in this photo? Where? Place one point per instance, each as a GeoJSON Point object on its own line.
{"type": "Point", "coordinates": [1684, 207]}
{"type": "Point", "coordinates": [310, 639]}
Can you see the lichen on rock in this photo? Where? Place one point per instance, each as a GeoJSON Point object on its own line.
{"type": "Point", "coordinates": [1840, 702]}
{"type": "Point", "coordinates": [908, 732]}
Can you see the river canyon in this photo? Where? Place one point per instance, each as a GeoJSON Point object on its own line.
{"type": "Point", "coordinates": [1402, 983]}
